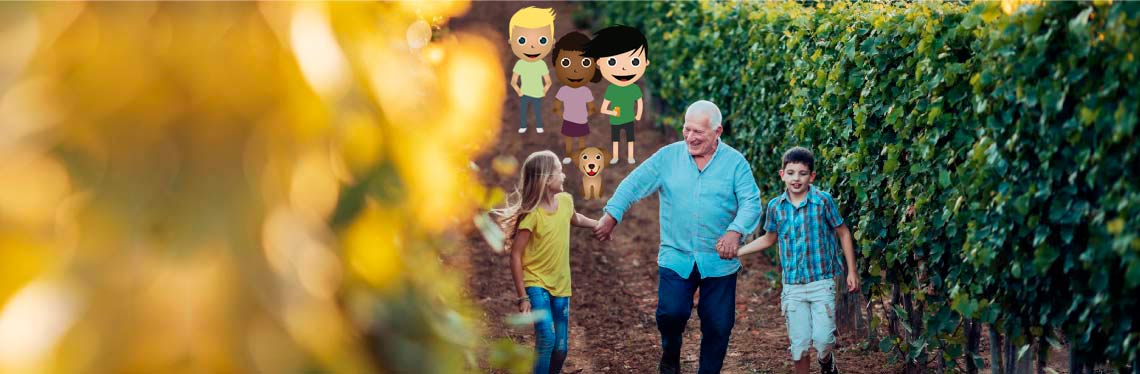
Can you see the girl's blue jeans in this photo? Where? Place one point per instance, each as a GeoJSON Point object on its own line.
{"type": "Point", "coordinates": [550, 330]}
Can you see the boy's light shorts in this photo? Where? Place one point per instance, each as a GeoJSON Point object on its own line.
{"type": "Point", "coordinates": [809, 310]}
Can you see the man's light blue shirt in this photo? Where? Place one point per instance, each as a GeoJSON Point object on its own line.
{"type": "Point", "coordinates": [697, 207]}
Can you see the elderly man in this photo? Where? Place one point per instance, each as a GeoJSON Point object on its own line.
{"type": "Point", "coordinates": [709, 199]}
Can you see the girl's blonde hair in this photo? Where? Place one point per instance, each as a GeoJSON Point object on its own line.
{"type": "Point", "coordinates": [531, 189]}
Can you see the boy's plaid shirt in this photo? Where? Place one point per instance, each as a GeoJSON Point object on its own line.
{"type": "Point", "coordinates": [809, 248]}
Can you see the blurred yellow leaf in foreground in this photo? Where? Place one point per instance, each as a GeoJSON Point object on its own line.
{"type": "Point", "coordinates": [238, 187]}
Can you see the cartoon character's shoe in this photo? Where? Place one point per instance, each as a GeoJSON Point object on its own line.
{"type": "Point", "coordinates": [632, 161]}
{"type": "Point", "coordinates": [539, 130]}
{"type": "Point", "coordinates": [566, 161]}
{"type": "Point", "coordinates": [522, 130]}
{"type": "Point", "coordinates": [613, 161]}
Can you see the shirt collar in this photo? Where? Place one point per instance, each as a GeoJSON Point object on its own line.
{"type": "Point", "coordinates": [813, 196]}
{"type": "Point", "coordinates": [720, 146]}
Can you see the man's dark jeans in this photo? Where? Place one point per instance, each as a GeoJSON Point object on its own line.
{"type": "Point", "coordinates": [716, 308]}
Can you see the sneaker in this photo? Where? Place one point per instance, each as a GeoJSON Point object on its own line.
{"type": "Point", "coordinates": [566, 161]}
{"type": "Point", "coordinates": [613, 161]}
{"type": "Point", "coordinates": [539, 130]}
{"type": "Point", "coordinates": [632, 161]}
{"type": "Point", "coordinates": [522, 130]}
{"type": "Point", "coordinates": [828, 367]}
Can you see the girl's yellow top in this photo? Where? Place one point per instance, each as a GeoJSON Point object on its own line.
{"type": "Point", "coordinates": [546, 262]}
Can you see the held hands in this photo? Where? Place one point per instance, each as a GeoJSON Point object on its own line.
{"type": "Point", "coordinates": [853, 281]}
{"type": "Point", "coordinates": [728, 244]}
{"type": "Point", "coordinates": [605, 227]}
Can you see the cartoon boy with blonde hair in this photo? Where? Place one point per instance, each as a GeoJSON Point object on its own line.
{"type": "Point", "coordinates": [531, 39]}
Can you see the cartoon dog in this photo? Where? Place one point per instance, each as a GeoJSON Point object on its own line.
{"type": "Point", "coordinates": [590, 161]}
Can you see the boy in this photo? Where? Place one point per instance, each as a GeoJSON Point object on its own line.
{"type": "Point", "coordinates": [531, 38]}
{"type": "Point", "coordinates": [620, 53]}
{"type": "Point", "coordinates": [807, 224]}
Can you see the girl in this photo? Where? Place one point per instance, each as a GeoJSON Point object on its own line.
{"type": "Point", "coordinates": [575, 101]}
{"type": "Point", "coordinates": [537, 220]}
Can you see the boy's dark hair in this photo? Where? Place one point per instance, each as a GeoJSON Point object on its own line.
{"type": "Point", "coordinates": [615, 40]}
{"type": "Point", "coordinates": [799, 155]}
{"type": "Point", "coordinates": [573, 41]}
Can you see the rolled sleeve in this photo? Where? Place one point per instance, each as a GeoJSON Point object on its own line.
{"type": "Point", "coordinates": [643, 181]}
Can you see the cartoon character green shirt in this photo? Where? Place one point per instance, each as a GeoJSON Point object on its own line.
{"type": "Point", "coordinates": [530, 76]}
{"type": "Point", "coordinates": [624, 98]}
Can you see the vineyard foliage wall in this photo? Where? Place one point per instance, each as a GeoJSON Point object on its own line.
{"type": "Point", "coordinates": [986, 160]}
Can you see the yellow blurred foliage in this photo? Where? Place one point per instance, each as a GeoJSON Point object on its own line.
{"type": "Point", "coordinates": [372, 244]}
{"type": "Point", "coordinates": [33, 186]}
{"type": "Point", "coordinates": [239, 187]}
{"type": "Point", "coordinates": [1011, 6]}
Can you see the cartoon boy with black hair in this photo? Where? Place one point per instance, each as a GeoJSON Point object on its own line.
{"type": "Point", "coordinates": [620, 53]}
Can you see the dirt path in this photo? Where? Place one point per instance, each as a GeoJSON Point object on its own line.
{"type": "Point", "coordinates": [612, 328]}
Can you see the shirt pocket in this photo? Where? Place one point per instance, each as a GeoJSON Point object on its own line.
{"type": "Point", "coordinates": [785, 228]}
{"type": "Point", "coordinates": [722, 192]}
{"type": "Point", "coordinates": [791, 256]}
{"type": "Point", "coordinates": [818, 215]}
{"type": "Point", "coordinates": [716, 204]}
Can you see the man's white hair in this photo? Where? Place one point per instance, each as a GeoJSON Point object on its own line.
{"type": "Point", "coordinates": [707, 108]}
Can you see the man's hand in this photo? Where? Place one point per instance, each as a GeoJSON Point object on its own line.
{"type": "Point", "coordinates": [728, 244]}
{"type": "Point", "coordinates": [605, 227]}
{"type": "Point", "coordinates": [557, 109]}
{"type": "Point", "coordinates": [852, 281]}
{"type": "Point", "coordinates": [524, 306]}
